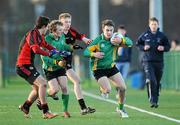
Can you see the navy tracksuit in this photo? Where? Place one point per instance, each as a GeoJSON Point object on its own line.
{"type": "Point", "coordinates": [153, 61]}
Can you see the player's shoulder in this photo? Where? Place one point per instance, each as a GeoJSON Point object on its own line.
{"type": "Point", "coordinates": [72, 29]}
{"type": "Point", "coordinates": [48, 37]}
{"type": "Point", "coordinates": [98, 38]}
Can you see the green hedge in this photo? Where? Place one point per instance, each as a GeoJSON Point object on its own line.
{"type": "Point", "coordinates": [171, 76]}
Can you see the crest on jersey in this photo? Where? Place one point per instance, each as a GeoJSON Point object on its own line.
{"type": "Point", "coordinates": [102, 45]}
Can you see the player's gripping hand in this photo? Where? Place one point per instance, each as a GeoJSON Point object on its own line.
{"type": "Point", "coordinates": [86, 40]}
{"type": "Point", "coordinates": [99, 55]}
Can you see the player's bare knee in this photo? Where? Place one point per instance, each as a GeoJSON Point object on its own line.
{"type": "Point", "coordinates": [108, 90]}
{"type": "Point", "coordinates": [77, 82]}
{"type": "Point", "coordinates": [122, 89]}
{"type": "Point", "coordinates": [43, 85]}
{"type": "Point", "coordinates": [64, 91]}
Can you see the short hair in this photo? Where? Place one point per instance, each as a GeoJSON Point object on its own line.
{"type": "Point", "coordinates": [107, 22]}
{"type": "Point", "coordinates": [176, 41]}
{"type": "Point", "coordinates": [64, 15]}
{"type": "Point", "coordinates": [121, 26]}
{"type": "Point", "coordinates": [53, 25]}
{"type": "Point", "coordinates": [153, 19]}
{"type": "Point", "coordinates": [42, 21]}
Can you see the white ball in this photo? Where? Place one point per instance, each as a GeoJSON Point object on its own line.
{"type": "Point", "coordinates": [115, 35]}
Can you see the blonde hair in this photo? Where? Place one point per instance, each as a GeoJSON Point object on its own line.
{"type": "Point", "coordinates": [53, 25]}
{"type": "Point", "coordinates": [64, 15]}
{"type": "Point", "coordinates": [153, 19]}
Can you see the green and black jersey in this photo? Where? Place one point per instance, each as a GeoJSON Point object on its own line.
{"type": "Point", "coordinates": [100, 44]}
{"type": "Point", "coordinates": [59, 44]}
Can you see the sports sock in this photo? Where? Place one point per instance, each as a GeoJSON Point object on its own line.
{"type": "Point", "coordinates": [45, 108]}
{"type": "Point", "coordinates": [65, 100]}
{"type": "Point", "coordinates": [27, 104]}
{"type": "Point", "coordinates": [121, 106]}
{"type": "Point", "coordinates": [82, 104]}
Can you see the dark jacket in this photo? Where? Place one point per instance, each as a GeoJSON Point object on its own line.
{"type": "Point", "coordinates": [125, 56]}
{"type": "Point", "coordinates": [153, 40]}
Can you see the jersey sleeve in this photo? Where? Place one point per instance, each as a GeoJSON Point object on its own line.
{"type": "Point", "coordinates": [140, 43]}
{"type": "Point", "coordinates": [33, 42]}
{"type": "Point", "coordinates": [76, 34]}
{"type": "Point", "coordinates": [128, 42]}
{"type": "Point", "coordinates": [166, 44]}
{"type": "Point", "coordinates": [93, 47]}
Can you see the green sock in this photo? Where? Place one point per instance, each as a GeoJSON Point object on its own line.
{"type": "Point", "coordinates": [65, 100]}
{"type": "Point", "coordinates": [121, 106]}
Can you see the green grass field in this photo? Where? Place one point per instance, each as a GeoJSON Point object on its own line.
{"type": "Point", "coordinates": [16, 92]}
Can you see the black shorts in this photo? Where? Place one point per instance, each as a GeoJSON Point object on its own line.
{"type": "Point", "coordinates": [68, 62]}
{"type": "Point", "coordinates": [105, 72]}
{"type": "Point", "coordinates": [54, 74]}
{"type": "Point", "coordinates": [28, 72]}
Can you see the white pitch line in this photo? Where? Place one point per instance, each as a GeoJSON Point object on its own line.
{"type": "Point", "coordinates": [132, 107]}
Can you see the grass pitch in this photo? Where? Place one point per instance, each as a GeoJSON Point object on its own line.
{"type": "Point", "coordinates": [16, 92]}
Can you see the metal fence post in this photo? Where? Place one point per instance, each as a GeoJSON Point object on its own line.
{"type": "Point", "coordinates": [2, 85]}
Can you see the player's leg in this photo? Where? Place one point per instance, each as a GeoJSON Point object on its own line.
{"type": "Point", "coordinates": [78, 92]}
{"type": "Point", "coordinates": [53, 88]}
{"type": "Point", "coordinates": [41, 83]}
{"type": "Point", "coordinates": [31, 98]}
{"type": "Point", "coordinates": [28, 73]}
{"type": "Point", "coordinates": [105, 86]}
{"type": "Point", "coordinates": [151, 83]}
{"type": "Point", "coordinates": [62, 80]}
{"type": "Point", "coordinates": [118, 81]}
{"type": "Point", "coordinates": [158, 74]}
{"type": "Point", "coordinates": [76, 81]}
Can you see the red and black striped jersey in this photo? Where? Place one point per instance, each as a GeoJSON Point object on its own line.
{"type": "Point", "coordinates": [72, 36]}
{"type": "Point", "coordinates": [30, 45]}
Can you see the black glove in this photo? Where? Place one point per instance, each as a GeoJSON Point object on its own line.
{"type": "Point", "coordinates": [77, 47]}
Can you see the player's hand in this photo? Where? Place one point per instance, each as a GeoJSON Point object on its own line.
{"type": "Point", "coordinates": [99, 55]}
{"type": "Point", "coordinates": [61, 63]}
{"type": "Point", "coordinates": [77, 46]}
{"type": "Point", "coordinates": [146, 47]}
{"type": "Point", "coordinates": [86, 40]}
{"type": "Point", "coordinates": [160, 48]}
{"type": "Point", "coordinates": [116, 40]}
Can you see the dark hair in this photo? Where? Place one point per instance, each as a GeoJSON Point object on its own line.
{"type": "Point", "coordinates": [153, 19]}
{"type": "Point", "coordinates": [42, 21]}
{"type": "Point", "coordinates": [107, 22]}
{"type": "Point", "coordinates": [53, 25]}
{"type": "Point", "coordinates": [121, 26]}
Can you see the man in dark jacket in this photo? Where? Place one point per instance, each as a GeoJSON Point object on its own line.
{"type": "Point", "coordinates": [153, 43]}
{"type": "Point", "coordinates": [124, 55]}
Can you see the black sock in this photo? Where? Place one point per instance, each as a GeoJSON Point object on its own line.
{"type": "Point", "coordinates": [82, 104]}
{"type": "Point", "coordinates": [45, 108]}
{"type": "Point", "coordinates": [27, 104]}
